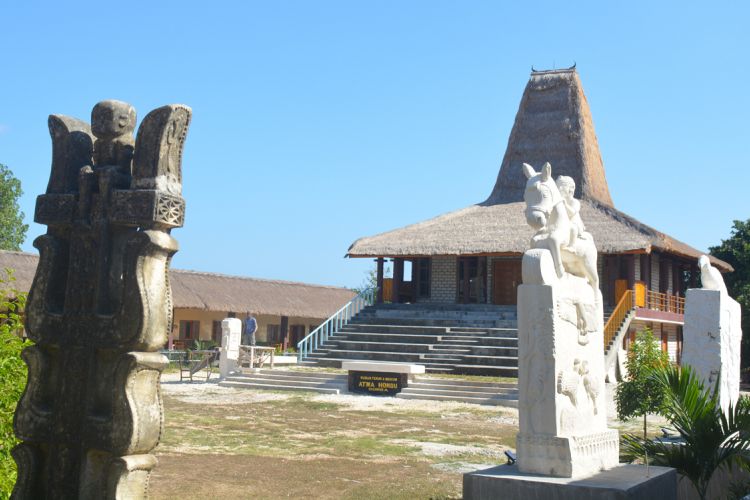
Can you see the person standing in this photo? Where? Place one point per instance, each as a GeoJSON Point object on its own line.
{"type": "Point", "coordinates": [251, 326]}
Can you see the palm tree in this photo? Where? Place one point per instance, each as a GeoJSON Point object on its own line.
{"type": "Point", "coordinates": [712, 440]}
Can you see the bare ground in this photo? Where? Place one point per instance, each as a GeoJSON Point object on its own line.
{"type": "Point", "coordinates": [236, 443]}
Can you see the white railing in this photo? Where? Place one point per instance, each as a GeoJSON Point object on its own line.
{"type": "Point", "coordinates": [333, 324]}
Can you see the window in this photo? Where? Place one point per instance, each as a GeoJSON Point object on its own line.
{"type": "Point", "coordinates": [190, 329]}
{"type": "Point", "coordinates": [273, 334]}
{"type": "Point", "coordinates": [216, 331]}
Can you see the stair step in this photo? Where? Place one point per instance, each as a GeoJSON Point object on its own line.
{"type": "Point", "coordinates": [256, 385]}
{"type": "Point", "coordinates": [280, 381]}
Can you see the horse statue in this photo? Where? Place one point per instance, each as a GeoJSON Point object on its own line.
{"type": "Point", "coordinates": [557, 223]}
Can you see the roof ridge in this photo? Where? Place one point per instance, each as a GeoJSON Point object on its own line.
{"type": "Point", "coordinates": [251, 278]}
{"type": "Point", "coordinates": [207, 273]}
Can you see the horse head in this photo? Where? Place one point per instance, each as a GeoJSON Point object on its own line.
{"type": "Point", "coordinates": [541, 195]}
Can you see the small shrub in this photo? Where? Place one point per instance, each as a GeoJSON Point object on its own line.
{"type": "Point", "coordinates": [12, 375]}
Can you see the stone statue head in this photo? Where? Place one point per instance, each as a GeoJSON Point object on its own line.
{"type": "Point", "coordinates": [541, 195]}
{"type": "Point", "coordinates": [566, 185]}
{"type": "Point", "coordinates": [111, 119]}
{"type": "Point", "coordinates": [703, 262]}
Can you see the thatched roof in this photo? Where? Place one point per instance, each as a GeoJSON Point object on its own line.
{"type": "Point", "coordinates": [23, 265]}
{"type": "Point", "coordinates": [502, 230]}
{"type": "Point", "coordinates": [219, 292]}
{"type": "Point", "coordinates": [553, 124]}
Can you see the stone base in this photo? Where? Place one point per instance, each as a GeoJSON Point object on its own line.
{"type": "Point", "coordinates": [574, 456]}
{"type": "Point", "coordinates": [621, 482]}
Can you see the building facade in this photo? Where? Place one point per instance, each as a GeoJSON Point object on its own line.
{"type": "Point", "coordinates": [473, 255]}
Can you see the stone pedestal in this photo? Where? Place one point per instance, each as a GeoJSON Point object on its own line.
{"type": "Point", "coordinates": [562, 409]}
{"type": "Point", "coordinates": [231, 333]}
{"type": "Point", "coordinates": [623, 482]}
{"type": "Point", "coordinates": [711, 341]}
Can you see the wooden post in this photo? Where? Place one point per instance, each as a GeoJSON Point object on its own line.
{"type": "Point", "coordinates": [630, 262]}
{"type": "Point", "coordinates": [646, 269]}
{"type": "Point", "coordinates": [612, 275]}
{"type": "Point", "coordinates": [398, 278]}
{"type": "Point", "coordinates": [380, 262]}
{"type": "Point", "coordinates": [663, 275]}
{"type": "Point", "coordinates": [693, 276]}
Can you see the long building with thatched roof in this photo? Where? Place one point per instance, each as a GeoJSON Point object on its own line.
{"type": "Point", "coordinates": [286, 311]}
{"type": "Point", "coordinates": [473, 255]}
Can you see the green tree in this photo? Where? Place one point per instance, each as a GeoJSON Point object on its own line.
{"type": "Point", "coordinates": [12, 228]}
{"type": "Point", "coordinates": [736, 251]}
{"type": "Point", "coordinates": [640, 394]}
{"type": "Point", "coordinates": [370, 280]}
{"type": "Point", "coordinates": [711, 439]}
{"type": "Point", "coordinates": [12, 374]}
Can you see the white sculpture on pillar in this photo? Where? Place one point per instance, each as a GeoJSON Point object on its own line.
{"type": "Point", "coordinates": [712, 334]}
{"type": "Point", "coordinates": [562, 411]}
{"type": "Point", "coordinates": [711, 278]}
{"type": "Point", "coordinates": [231, 333]}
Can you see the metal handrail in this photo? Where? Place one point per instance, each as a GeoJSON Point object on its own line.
{"type": "Point", "coordinates": [618, 315]}
{"type": "Point", "coordinates": [333, 324]}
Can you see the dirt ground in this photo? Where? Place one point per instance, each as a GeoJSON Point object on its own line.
{"type": "Point", "coordinates": [236, 443]}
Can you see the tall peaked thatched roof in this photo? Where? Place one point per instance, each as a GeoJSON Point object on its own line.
{"type": "Point", "coordinates": [220, 292]}
{"type": "Point", "coordinates": [553, 124]}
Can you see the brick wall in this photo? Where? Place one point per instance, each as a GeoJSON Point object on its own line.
{"type": "Point", "coordinates": [443, 280]}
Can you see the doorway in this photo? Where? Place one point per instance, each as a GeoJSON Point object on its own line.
{"type": "Point", "coordinates": [472, 280]}
{"type": "Point", "coordinates": [506, 276]}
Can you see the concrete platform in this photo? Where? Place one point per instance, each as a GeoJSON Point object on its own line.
{"type": "Point", "coordinates": [382, 367]}
{"type": "Point", "coordinates": [622, 482]}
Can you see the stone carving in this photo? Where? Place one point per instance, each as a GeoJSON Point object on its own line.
{"type": "Point", "coordinates": [712, 334]}
{"type": "Point", "coordinates": [231, 333]}
{"type": "Point", "coordinates": [100, 305]}
{"type": "Point", "coordinates": [562, 417]}
{"type": "Point", "coordinates": [711, 278]}
{"type": "Point", "coordinates": [573, 250]}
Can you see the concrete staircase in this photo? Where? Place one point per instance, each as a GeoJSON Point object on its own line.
{"type": "Point", "coordinates": [478, 339]}
{"type": "Point", "coordinates": [436, 389]}
{"type": "Point", "coordinates": [283, 380]}
{"type": "Point", "coordinates": [464, 391]}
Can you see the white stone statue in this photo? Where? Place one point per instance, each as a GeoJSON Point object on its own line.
{"type": "Point", "coordinates": [712, 335]}
{"type": "Point", "coordinates": [711, 278]}
{"type": "Point", "coordinates": [231, 332]}
{"type": "Point", "coordinates": [562, 411]}
{"type": "Point", "coordinates": [558, 231]}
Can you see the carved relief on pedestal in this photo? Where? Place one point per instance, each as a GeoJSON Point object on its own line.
{"type": "Point", "coordinates": [100, 305]}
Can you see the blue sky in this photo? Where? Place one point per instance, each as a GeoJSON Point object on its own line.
{"type": "Point", "coordinates": [315, 123]}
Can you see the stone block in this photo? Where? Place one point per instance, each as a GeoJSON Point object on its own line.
{"type": "Point", "coordinates": [629, 482]}
{"type": "Point", "coordinates": [711, 341]}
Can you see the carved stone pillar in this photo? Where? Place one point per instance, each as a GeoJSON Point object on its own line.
{"type": "Point", "coordinates": [100, 306]}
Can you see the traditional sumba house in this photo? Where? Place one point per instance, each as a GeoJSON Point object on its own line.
{"type": "Point", "coordinates": [473, 255]}
{"type": "Point", "coordinates": [285, 311]}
